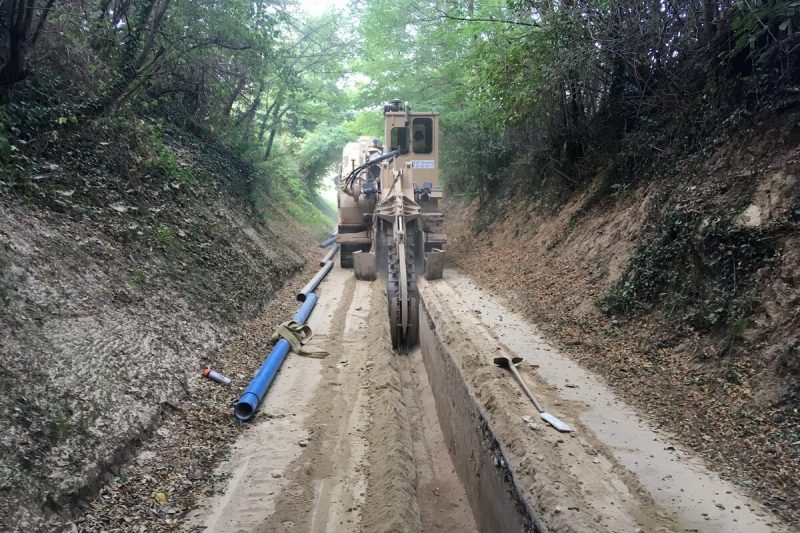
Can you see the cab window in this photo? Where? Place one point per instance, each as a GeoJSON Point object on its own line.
{"type": "Point", "coordinates": [399, 139]}
{"type": "Point", "coordinates": [423, 135]}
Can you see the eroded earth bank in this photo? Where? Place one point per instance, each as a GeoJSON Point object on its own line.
{"type": "Point", "coordinates": [115, 294]}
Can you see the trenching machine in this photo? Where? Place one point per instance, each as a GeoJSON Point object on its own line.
{"type": "Point", "coordinates": [389, 216]}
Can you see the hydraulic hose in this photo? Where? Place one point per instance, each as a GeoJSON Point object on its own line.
{"type": "Point", "coordinates": [351, 177]}
{"type": "Point", "coordinates": [247, 405]}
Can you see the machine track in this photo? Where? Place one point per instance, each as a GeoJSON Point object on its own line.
{"type": "Point", "coordinates": [346, 255]}
{"type": "Point", "coordinates": [401, 341]}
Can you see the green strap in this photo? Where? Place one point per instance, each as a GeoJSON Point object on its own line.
{"type": "Point", "coordinates": [297, 335]}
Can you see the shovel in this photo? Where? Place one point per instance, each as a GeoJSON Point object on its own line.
{"type": "Point", "coordinates": [511, 364]}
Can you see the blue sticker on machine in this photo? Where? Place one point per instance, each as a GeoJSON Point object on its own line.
{"type": "Point", "coordinates": [423, 163]}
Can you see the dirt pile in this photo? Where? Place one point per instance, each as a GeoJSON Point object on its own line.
{"type": "Point", "coordinates": [118, 283]}
{"type": "Point", "coordinates": [682, 292]}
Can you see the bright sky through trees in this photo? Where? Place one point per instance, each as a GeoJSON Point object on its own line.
{"type": "Point", "coordinates": [318, 7]}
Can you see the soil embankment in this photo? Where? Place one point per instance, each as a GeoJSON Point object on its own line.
{"type": "Point", "coordinates": [117, 290]}
{"type": "Point", "coordinates": [683, 294]}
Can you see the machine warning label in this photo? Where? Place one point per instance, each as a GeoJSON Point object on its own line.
{"type": "Point", "coordinates": [423, 163]}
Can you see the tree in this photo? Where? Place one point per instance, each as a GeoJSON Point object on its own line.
{"type": "Point", "coordinates": [16, 40]}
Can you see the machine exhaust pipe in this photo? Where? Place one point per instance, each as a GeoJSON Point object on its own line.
{"type": "Point", "coordinates": [311, 285]}
{"type": "Point", "coordinates": [247, 405]}
{"type": "Point", "coordinates": [329, 256]}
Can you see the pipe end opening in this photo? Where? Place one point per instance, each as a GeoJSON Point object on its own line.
{"type": "Point", "coordinates": [243, 411]}
{"type": "Point", "coordinates": [301, 297]}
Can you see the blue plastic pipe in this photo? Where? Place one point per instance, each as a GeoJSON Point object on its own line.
{"type": "Point", "coordinates": [329, 256]}
{"type": "Point", "coordinates": [247, 405]}
{"type": "Point", "coordinates": [326, 243]}
{"type": "Point", "coordinates": [315, 281]}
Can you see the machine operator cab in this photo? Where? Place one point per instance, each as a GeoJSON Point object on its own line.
{"type": "Point", "coordinates": [416, 135]}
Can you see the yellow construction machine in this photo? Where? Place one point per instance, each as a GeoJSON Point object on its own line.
{"type": "Point", "coordinates": [389, 216]}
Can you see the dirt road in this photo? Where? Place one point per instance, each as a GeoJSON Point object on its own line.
{"type": "Point", "coordinates": [366, 440]}
{"type": "Point", "coordinates": [346, 443]}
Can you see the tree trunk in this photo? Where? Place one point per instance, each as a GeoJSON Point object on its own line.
{"type": "Point", "coordinates": [237, 90]}
{"type": "Point", "coordinates": [245, 122]}
{"type": "Point", "coordinates": [40, 25]}
{"type": "Point", "coordinates": [277, 115]}
{"type": "Point", "coordinates": [128, 62]}
{"type": "Point", "coordinates": [15, 17]}
{"type": "Point", "coordinates": [265, 119]}
{"type": "Point", "coordinates": [709, 12]}
{"type": "Point", "coordinates": [247, 116]}
{"type": "Point", "coordinates": [270, 141]}
{"type": "Point", "coordinates": [151, 35]}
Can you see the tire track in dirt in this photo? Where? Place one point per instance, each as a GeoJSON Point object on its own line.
{"type": "Point", "coordinates": [376, 461]}
{"type": "Point", "coordinates": [327, 483]}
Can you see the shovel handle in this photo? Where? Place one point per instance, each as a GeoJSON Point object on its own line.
{"type": "Point", "coordinates": [526, 389]}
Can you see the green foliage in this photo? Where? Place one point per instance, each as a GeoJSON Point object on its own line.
{"type": "Point", "coordinates": [321, 149]}
{"type": "Point", "coordinates": [535, 97]}
{"type": "Point", "coordinates": [765, 29]}
{"type": "Point", "coordinates": [250, 77]}
{"type": "Point", "coordinates": [5, 147]}
{"type": "Point", "coordinates": [367, 122]}
{"type": "Point", "coordinates": [62, 426]}
{"type": "Point", "coordinates": [694, 268]}
{"type": "Point", "coordinates": [137, 278]}
{"type": "Point", "coordinates": [620, 190]}
{"type": "Point", "coordinates": [165, 163]}
{"type": "Point", "coordinates": [540, 96]}
{"type": "Point", "coordinates": [164, 234]}
{"type": "Point", "coordinates": [432, 62]}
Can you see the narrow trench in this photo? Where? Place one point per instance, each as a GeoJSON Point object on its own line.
{"type": "Point", "coordinates": [475, 456]}
{"type": "Point", "coordinates": [407, 443]}
{"type": "Point", "coordinates": [461, 478]}
{"type": "Point", "coordinates": [442, 500]}
{"type": "Point", "coordinates": [392, 443]}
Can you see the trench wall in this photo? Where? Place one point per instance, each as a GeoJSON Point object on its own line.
{"type": "Point", "coordinates": [480, 461]}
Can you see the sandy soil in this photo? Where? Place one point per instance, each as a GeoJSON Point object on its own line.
{"type": "Point", "coordinates": [103, 332]}
{"type": "Point", "coordinates": [727, 387]}
{"type": "Point", "coordinates": [347, 443]}
{"type": "Point", "coordinates": [614, 469]}
{"type": "Point", "coordinates": [443, 500]}
{"type": "Point", "coordinates": [260, 457]}
{"type": "Point", "coordinates": [355, 442]}
{"type": "Point", "coordinates": [178, 459]}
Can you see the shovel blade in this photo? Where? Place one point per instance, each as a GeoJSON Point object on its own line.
{"type": "Point", "coordinates": [506, 362]}
{"type": "Point", "coordinates": [555, 422]}
{"type": "Point", "coordinates": [502, 362]}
